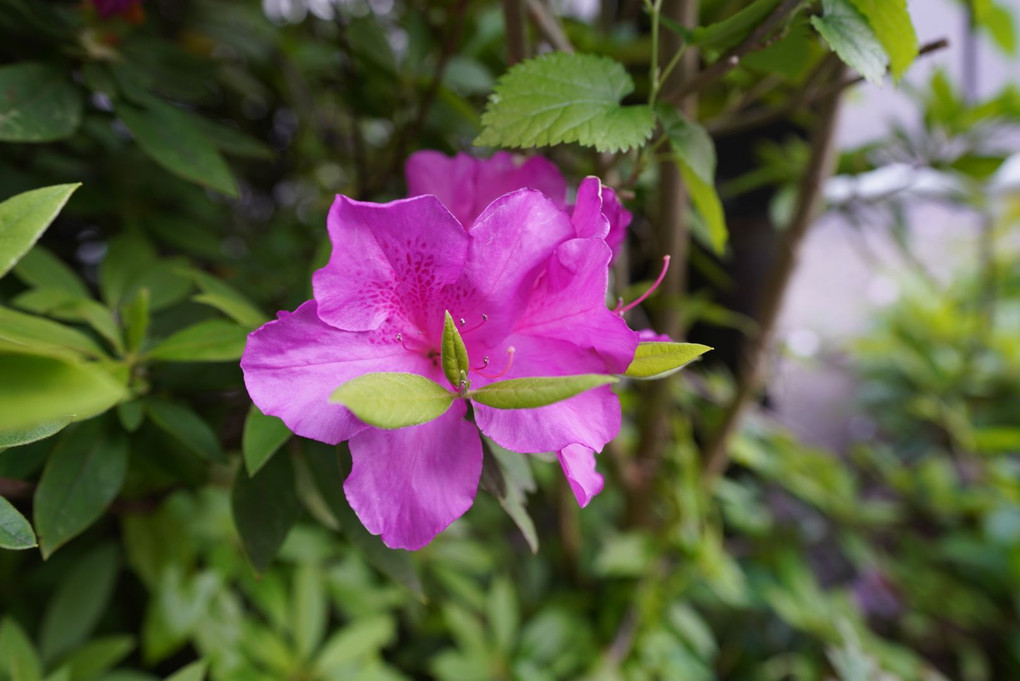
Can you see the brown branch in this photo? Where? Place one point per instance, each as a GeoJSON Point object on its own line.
{"type": "Point", "coordinates": [549, 26]}
{"type": "Point", "coordinates": [808, 200]}
{"type": "Point", "coordinates": [513, 17]}
{"type": "Point", "coordinates": [758, 39]}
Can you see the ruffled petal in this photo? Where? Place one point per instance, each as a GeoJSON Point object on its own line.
{"type": "Point", "coordinates": [578, 463]}
{"type": "Point", "coordinates": [619, 219]}
{"type": "Point", "coordinates": [388, 261]}
{"type": "Point", "coordinates": [587, 216]}
{"type": "Point", "coordinates": [409, 484]}
{"type": "Point", "coordinates": [293, 364]}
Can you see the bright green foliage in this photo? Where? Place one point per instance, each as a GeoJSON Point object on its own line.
{"type": "Point", "coordinates": [42, 269]}
{"type": "Point", "coordinates": [31, 334]}
{"type": "Point", "coordinates": [215, 340]}
{"type": "Point", "coordinates": [193, 672]}
{"type": "Point", "coordinates": [394, 400]}
{"type": "Point", "coordinates": [15, 532]}
{"type": "Point", "coordinates": [38, 103]}
{"type": "Point", "coordinates": [893, 27]}
{"type": "Point", "coordinates": [528, 393]}
{"type": "Point", "coordinates": [561, 98]}
{"type": "Point", "coordinates": [658, 360]}
{"type": "Point", "coordinates": [263, 436]}
{"type": "Point", "coordinates": [454, 353]}
{"type": "Point", "coordinates": [706, 201]}
{"type": "Point", "coordinates": [732, 29]}
{"type": "Point", "coordinates": [848, 34]}
{"type": "Point", "coordinates": [23, 219]}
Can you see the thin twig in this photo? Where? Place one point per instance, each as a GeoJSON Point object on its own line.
{"type": "Point", "coordinates": [758, 39]}
{"type": "Point", "coordinates": [513, 17]}
{"type": "Point", "coordinates": [549, 26]}
{"type": "Point", "coordinates": [716, 451]}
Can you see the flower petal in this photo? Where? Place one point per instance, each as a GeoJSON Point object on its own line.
{"type": "Point", "coordinates": [587, 217]}
{"type": "Point", "coordinates": [578, 463]}
{"type": "Point", "coordinates": [619, 219]}
{"type": "Point", "coordinates": [388, 261]}
{"type": "Point", "coordinates": [293, 364]}
{"type": "Point", "coordinates": [409, 484]}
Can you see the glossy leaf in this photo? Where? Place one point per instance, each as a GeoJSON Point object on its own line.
{"type": "Point", "coordinates": [528, 393]}
{"type": "Point", "coordinates": [848, 34]}
{"type": "Point", "coordinates": [263, 436]}
{"type": "Point", "coordinates": [15, 531]}
{"type": "Point", "coordinates": [83, 474]}
{"type": "Point", "coordinates": [24, 217]}
{"type": "Point", "coordinates": [265, 507]}
{"type": "Point", "coordinates": [658, 360]}
{"type": "Point", "coordinates": [215, 340]}
{"type": "Point", "coordinates": [454, 353]}
{"type": "Point", "coordinates": [394, 400]}
{"type": "Point", "coordinates": [38, 103]}
{"type": "Point", "coordinates": [562, 97]}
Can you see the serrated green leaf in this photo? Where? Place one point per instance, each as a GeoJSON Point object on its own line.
{"type": "Point", "coordinates": [173, 140]}
{"type": "Point", "coordinates": [891, 22]}
{"type": "Point", "coordinates": [83, 474]}
{"type": "Point", "coordinates": [262, 436]}
{"type": "Point", "coordinates": [658, 360]}
{"type": "Point", "coordinates": [215, 340]}
{"type": "Point", "coordinates": [80, 600]}
{"type": "Point", "coordinates": [265, 507]}
{"type": "Point", "coordinates": [37, 390]}
{"type": "Point", "coordinates": [454, 354]}
{"type": "Point", "coordinates": [36, 333]}
{"type": "Point", "coordinates": [528, 393]}
{"type": "Point", "coordinates": [42, 269]}
{"type": "Point", "coordinates": [18, 659]}
{"type": "Point", "coordinates": [732, 29]}
{"type": "Point", "coordinates": [850, 36]}
{"type": "Point", "coordinates": [193, 672]}
{"type": "Point", "coordinates": [186, 427]}
{"type": "Point", "coordinates": [38, 103]}
{"type": "Point", "coordinates": [24, 217]}
{"type": "Point", "coordinates": [15, 531]}
{"type": "Point", "coordinates": [689, 141]}
{"type": "Point", "coordinates": [706, 202]}
{"type": "Point", "coordinates": [561, 97]}
{"type": "Point", "coordinates": [394, 400]}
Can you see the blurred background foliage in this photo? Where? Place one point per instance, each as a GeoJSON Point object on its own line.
{"type": "Point", "coordinates": [183, 534]}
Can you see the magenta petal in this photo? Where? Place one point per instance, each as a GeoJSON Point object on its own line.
{"type": "Point", "coordinates": [293, 364]}
{"type": "Point", "coordinates": [587, 218]}
{"type": "Point", "coordinates": [619, 219]}
{"type": "Point", "coordinates": [591, 419]}
{"type": "Point", "coordinates": [578, 463]}
{"type": "Point", "coordinates": [652, 336]}
{"type": "Point", "coordinates": [388, 261]}
{"type": "Point", "coordinates": [409, 484]}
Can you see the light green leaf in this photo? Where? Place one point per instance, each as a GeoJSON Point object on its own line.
{"type": "Point", "coordinates": [363, 637]}
{"type": "Point", "coordinates": [394, 400]}
{"type": "Point", "coordinates": [561, 97]}
{"type": "Point", "coordinates": [528, 393]}
{"type": "Point", "coordinates": [454, 354]}
{"type": "Point", "coordinates": [504, 614]}
{"type": "Point", "coordinates": [83, 474]}
{"type": "Point", "coordinates": [706, 202]}
{"type": "Point", "coordinates": [658, 360]}
{"type": "Point", "coordinates": [99, 656]}
{"type": "Point", "coordinates": [23, 218]}
{"type": "Point", "coordinates": [890, 21]}
{"type": "Point", "coordinates": [732, 29]}
{"type": "Point", "coordinates": [309, 610]}
{"type": "Point", "coordinates": [172, 139]}
{"type": "Point", "coordinates": [24, 436]}
{"type": "Point", "coordinates": [193, 672]}
{"type": "Point", "coordinates": [186, 427]}
{"type": "Point", "coordinates": [848, 34]}
{"type": "Point", "coordinates": [690, 142]}
{"type": "Point", "coordinates": [36, 333]}
{"type": "Point", "coordinates": [262, 436]}
{"type": "Point", "coordinates": [54, 302]}
{"type": "Point", "coordinates": [41, 269]}
{"type": "Point", "coordinates": [136, 320]}
{"type": "Point", "coordinates": [18, 659]}
{"type": "Point", "coordinates": [15, 531]}
{"type": "Point", "coordinates": [36, 391]}
{"type": "Point", "coordinates": [215, 340]}
{"type": "Point", "coordinates": [38, 103]}
{"type": "Point", "coordinates": [265, 506]}
{"type": "Point", "coordinates": [225, 298]}
{"type": "Point", "coordinates": [81, 599]}
{"type": "Point", "coordinates": [1001, 26]}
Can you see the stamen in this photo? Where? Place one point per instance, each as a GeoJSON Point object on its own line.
{"type": "Point", "coordinates": [510, 351]}
{"type": "Point", "coordinates": [477, 326]}
{"type": "Point", "coordinates": [621, 308]}
{"type": "Point", "coordinates": [485, 364]}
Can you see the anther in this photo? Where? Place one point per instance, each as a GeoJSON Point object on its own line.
{"type": "Point", "coordinates": [510, 351]}
{"type": "Point", "coordinates": [485, 318]}
{"type": "Point", "coordinates": [621, 308]}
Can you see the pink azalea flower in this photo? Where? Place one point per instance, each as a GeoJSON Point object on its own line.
{"type": "Point", "coordinates": [526, 282]}
{"type": "Point", "coordinates": [466, 185]}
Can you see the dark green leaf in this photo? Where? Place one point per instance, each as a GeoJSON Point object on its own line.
{"type": "Point", "coordinates": [690, 142]}
{"type": "Point", "coordinates": [265, 507]}
{"type": "Point", "coordinates": [850, 36]}
{"type": "Point", "coordinates": [658, 360]}
{"type": "Point", "coordinates": [225, 298]}
{"type": "Point", "coordinates": [15, 531]}
{"type": "Point", "coordinates": [394, 400]}
{"type": "Point", "coordinates": [893, 27]}
{"type": "Point", "coordinates": [215, 340]}
{"type": "Point", "coordinates": [42, 269]}
{"type": "Point", "coordinates": [98, 656]}
{"type": "Point", "coordinates": [23, 218]}
{"type": "Point", "coordinates": [81, 599]}
{"type": "Point", "coordinates": [528, 393]}
{"type": "Point", "coordinates": [561, 98]}
{"type": "Point", "coordinates": [734, 28]}
{"type": "Point", "coordinates": [454, 354]}
{"type": "Point", "coordinates": [18, 659]}
{"type": "Point", "coordinates": [263, 435]}
{"type": "Point", "coordinates": [186, 427]}
{"type": "Point", "coordinates": [173, 140]}
{"type": "Point", "coordinates": [518, 483]}
{"type": "Point", "coordinates": [83, 475]}
{"type": "Point", "coordinates": [38, 103]}
{"type": "Point", "coordinates": [232, 141]}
